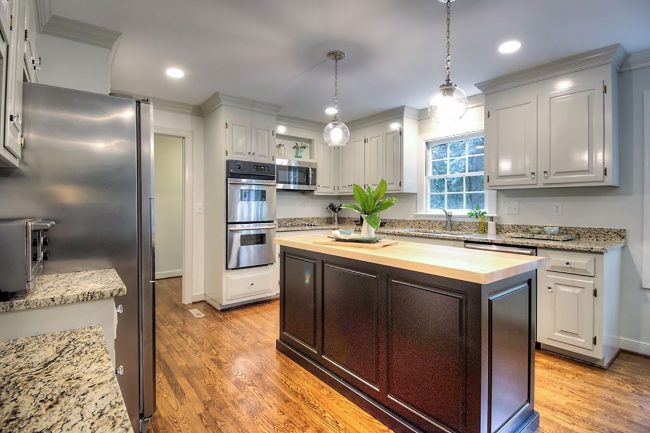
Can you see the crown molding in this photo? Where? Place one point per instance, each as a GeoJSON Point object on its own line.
{"type": "Point", "coordinates": [76, 30]}
{"type": "Point", "coordinates": [221, 99]}
{"type": "Point", "coordinates": [43, 13]}
{"type": "Point", "coordinates": [636, 60]}
{"type": "Point", "coordinates": [163, 104]}
{"type": "Point", "coordinates": [295, 122]}
{"type": "Point", "coordinates": [612, 54]}
{"type": "Point", "coordinates": [402, 111]}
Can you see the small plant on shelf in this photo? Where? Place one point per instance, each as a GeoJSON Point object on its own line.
{"type": "Point", "coordinates": [369, 203]}
{"type": "Point", "coordinates": [481, 216]}
{"type": "Point", "coordinates": [299, 147]}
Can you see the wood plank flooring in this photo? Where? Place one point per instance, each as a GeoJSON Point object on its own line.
{"type": "Point", "coordinates": [221, 373]}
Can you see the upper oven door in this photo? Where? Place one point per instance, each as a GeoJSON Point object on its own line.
{"type": "Point", "coordinates": [251, 200]}
{"type": "Point", "coordinates": [295, 175]}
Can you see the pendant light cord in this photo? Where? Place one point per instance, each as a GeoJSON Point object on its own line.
{"type": "Point", "coordinates": [336, 87]}
{"type": "Point", "coordinates": [448, 58]}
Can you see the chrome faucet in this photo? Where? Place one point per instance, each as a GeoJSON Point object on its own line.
{"type": "Point", "coordinates": [448, 216]}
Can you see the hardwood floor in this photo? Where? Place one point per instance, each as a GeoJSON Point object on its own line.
{"type": "Point", "coordinates": [221, 373]}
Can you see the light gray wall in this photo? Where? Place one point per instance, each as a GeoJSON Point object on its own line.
{"type": "Point", "coordinates": [74, 65]}
{"type": "Point", "coordinates": [168, 190]}
{"type": "Point", "coordinates": [607, 207]}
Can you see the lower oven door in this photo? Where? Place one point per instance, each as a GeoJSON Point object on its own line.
{"type": "Point", "coordinates": [250, 245]}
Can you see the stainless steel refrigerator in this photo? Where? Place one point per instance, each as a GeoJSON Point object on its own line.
{"type": "Point", "coordinates": [88, 165]}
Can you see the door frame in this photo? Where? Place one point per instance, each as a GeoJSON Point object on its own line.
{"type": "Point", "coordinates": [187, 277]}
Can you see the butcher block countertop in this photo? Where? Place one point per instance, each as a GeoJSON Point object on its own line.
{"type": "Point", "coordinates": [482, 267]}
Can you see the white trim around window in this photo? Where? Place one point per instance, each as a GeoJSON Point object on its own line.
{"type": "Point", "coordinates": [423, 210]}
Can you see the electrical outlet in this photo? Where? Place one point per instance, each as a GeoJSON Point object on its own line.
{"type": "Point", "coordinates": [512, 208]}
{"type": "Point", "coordinates": [557, 208]}
{"type": "Point", "coordinates": [199, 208]}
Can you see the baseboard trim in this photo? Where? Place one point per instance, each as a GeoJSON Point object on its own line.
{"type": "Point", "coordinates": [169, 274]}
{"type": "Point", "coordinates": [640, 347]}
{"type": "Point", "coordinates": [198, 297]}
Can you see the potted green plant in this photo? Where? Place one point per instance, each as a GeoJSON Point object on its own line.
{"type": "Point", "coordinates": [481, 216]}
{"type": "Point", "coordinates": [369, 203]}
{"type": "Point", "coordinates": [299, 147]}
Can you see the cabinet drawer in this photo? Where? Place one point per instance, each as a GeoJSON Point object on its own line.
{"type": "Point", "coordinates": [250, 284]}
{"type": "Point", "coordinates": [570, 264]}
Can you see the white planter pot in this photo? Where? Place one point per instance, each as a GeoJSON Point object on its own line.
{"type": "Point", "coordinates": [367, 230]}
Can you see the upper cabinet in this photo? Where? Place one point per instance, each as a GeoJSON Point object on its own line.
{"type": "Point", "coordinates": [554, 125]}
{"type": "Point", "coordinates": [19, 62]}
{"type": "Point", "coordinates": [249, 135]}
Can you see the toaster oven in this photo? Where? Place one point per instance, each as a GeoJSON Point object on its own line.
{"type": "Point", "coordinates": [24, 249]}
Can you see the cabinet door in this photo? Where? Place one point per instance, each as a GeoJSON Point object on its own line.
{"type": "Point", "coordinates": [572, 135]}
{"type": "Point", "coordinates": [567, 306]}
{"type": "Point", "coordinates": [511, 139]}
{"type": "Point", "coordinates": [391, 160]}
{"type": "Point", "coordinates": [263, 144]}
{"type": "Point", "coordinates": [31, 59]}
{"type": "Point", "coordinates": [325, 179]}
{"type": "Point", "coordinates": [351, 165]}
{"type": "Point", "coordinates": [15, 75]}
{"type": "Point", "coordinates": [374, 153]}
{"type": "Point", "coordinates": [238, 139]}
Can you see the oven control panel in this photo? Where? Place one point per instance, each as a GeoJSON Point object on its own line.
{"type": "Point", "coordinates": [250, 170]}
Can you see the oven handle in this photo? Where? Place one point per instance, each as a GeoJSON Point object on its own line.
{"type": "Point", "coordinates": [257, 227]}
{"type": "Point", "coordinates": [250, 182]}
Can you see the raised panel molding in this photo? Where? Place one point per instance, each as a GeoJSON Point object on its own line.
{"type": "Point", "coordinates": [612, 54]}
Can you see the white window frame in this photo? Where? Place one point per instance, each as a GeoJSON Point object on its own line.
{"type": "Point", "coordinates": [423, 190]}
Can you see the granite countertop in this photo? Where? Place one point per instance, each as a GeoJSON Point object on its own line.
{"type": "Point", "coordinates": [60, 382]}
{"type": "Point", "coordinates": [67, 288]}
{"type": "Point", "coordinates": [584, 245]}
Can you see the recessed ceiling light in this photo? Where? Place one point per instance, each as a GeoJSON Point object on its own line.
{"type": "Point", "coordinates": [330, 111]}
{"type": "Point", "coordinates": [509, 47]}
{"type": "Point", "coordinates": [175, 73]}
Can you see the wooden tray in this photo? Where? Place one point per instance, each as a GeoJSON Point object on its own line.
{"type": "Point", "coordinates": [375, 246]}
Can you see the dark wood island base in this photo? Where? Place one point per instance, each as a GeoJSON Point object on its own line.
{"type": "Point", "coordinates": [419, 352]}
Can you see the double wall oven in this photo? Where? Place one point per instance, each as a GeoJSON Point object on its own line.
{"type": "Point", "coordinates": [250, 214]}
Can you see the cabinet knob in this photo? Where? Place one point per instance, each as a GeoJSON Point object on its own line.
{"type": "Point", "coordinates": [545, 174]}
{"type": "Point", "coordinates": [549, 289]}
{"type": "Point", "coordinates": [120, 370]}
{"type": "Point", "coordinates": [532, 175]}
{"type": "Point", "coordinates": [567, 264]}
{"type": "Point", "coordinates": [120, 309]}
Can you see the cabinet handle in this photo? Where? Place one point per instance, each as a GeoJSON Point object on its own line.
{"type": "Point", "coordinates": [532, 175]}
{"type": "Point", "coordinates": [120, 309]}
{"type": "Point", "coordinates": [549, 289]}
{"type": "Point", "coordinates": [545, 174]}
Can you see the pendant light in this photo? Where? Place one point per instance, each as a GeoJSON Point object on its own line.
{"type": "Point", "coordinates": [336, 133]}
{"type": "Point", "coordinates": [449, 102]}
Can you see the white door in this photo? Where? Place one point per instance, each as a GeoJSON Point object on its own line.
{"type": "Point", "coordinates": [568, 311]}
{"type": "Point", "coordinates": [238, 139]}
{"type": "Point", "coordinates": [263, 144]}
{"type": "Point", "coordinates": [511, 139]}
{"type": "Point", "coordinates": [392, 160]}
{"type": "Point", "coordinates": [324, 171]}
{"type": "Point", "coordinates": [374, 153]}
{"type": "Point", "coordinates": [572, 135]}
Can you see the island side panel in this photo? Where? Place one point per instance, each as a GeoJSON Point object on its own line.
{"type": "Point", "coordinates": [509, 359]}
{"type": "Point", "coordinates": [298, 300]}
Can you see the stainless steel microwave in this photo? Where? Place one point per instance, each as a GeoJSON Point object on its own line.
{"type": "Point", "coordinates": [291, 174]}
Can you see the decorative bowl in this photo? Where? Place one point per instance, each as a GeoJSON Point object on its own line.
{"type": "Point", "coordinates": [551, 230]}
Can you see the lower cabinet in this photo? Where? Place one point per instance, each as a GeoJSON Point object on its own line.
{"type": "Point", "coordinates": [577, 304]}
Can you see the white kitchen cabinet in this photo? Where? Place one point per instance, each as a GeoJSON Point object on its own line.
{"type": "Point", "coordinates": [5, 12]}
{"type": "Point", "coordinates": [392, 160]}
{"type": "Point", "coordinates": [577, 304]}
{"type": "Point", "coordinates": [31, 58]}
{"type": "Point", "coordinates": [554, 125]}
{"type": "Point", "coordinates": [374, 157]}
{"type": "Point", "coordinates": [511, 138]}
{"type": "Point", "coordinates": [351, 165]}
{"type": "Point", "coordinates": [327, 168]}
{"type": "Point", "coordinates": [250, 136]}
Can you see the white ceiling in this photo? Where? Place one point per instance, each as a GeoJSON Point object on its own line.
{"type": "Point", "coordinates": [274, 51]}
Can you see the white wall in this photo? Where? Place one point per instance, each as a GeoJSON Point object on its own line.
{"type": "Point", "coordinates": [74, 65]}
{"type": "Point", "coordinates": [168, 190]}
{"type": "Point", "coordinates": [167, 122]}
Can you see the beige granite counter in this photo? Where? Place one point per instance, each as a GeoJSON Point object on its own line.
{"type": "Point", "coordinates": [60, 382]}
{"type": "Point", "coordinates": [67, 288]}
{"type": "Point", "coordinates": [589, 241]}
{"type": "Point", "coordinates": [482, 267]}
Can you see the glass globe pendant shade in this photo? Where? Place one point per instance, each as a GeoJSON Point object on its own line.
{"type": "Point", "coordinates": [336, 133]}
{"type": "Point", "coordinates": [448, 103]}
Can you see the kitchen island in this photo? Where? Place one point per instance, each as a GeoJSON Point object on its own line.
{"type": "Point", "coordinates": [424, 338]}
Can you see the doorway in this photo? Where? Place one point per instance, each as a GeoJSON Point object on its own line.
{"type": "Point", "coordinates": [169, 199]}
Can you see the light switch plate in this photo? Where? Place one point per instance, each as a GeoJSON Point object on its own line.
{"type": "Point", "coordinates": [512, 208]}
{"type": "Point", "coordinates": [557, 208]}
